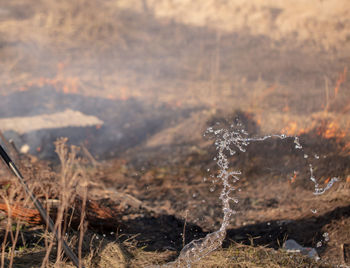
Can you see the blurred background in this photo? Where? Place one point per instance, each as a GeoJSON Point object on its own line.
{"type": "Point", "coordinates": [171, 62]}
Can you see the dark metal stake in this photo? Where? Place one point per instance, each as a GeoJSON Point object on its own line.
{"type": "Point", "coordinates": [39, 207]}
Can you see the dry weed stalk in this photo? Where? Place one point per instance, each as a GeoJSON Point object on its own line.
{"type": "Point", "coordinates": [70, 174]}
{"type": "Point", "coordinates": [11, 196]}
{"type": "Point", "coordinates": [82, 225]}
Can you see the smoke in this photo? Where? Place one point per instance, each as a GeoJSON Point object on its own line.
{"type": "Point", "coordinates": [145, 52]}
{"type": "Point", "coordinates": [106, 127]}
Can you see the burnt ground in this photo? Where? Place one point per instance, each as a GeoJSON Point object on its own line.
{"type": "Point", "coordinates": [157, 84]}
{"type": "Point", "coordinates": [272, 206]}
{"type": "Point", "coordinates": [177, 201]}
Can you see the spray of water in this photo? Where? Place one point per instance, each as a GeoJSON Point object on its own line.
{"type": "Point", "coordinates": [227, 142]}
{"type": "Point", "coordinates": [319, 190]}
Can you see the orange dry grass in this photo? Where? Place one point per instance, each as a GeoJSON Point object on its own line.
{"type": "Point", "coordinates": [21, 213]}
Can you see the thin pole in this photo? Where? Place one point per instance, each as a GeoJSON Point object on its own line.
{"type": "Point", "coordinates": [38, 206]}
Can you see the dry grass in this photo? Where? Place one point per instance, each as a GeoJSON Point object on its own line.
{"type": "Point", "coordinates": [66, 190]}
{"type": "Point", "coordinates": [313, 21]}
{"type": "Point", "coordinates": [61, 23]}
{"type": "Point", "coordinates": [249, 256]}
{"type": "Point", "coordinates": [82, 21]}
{"type": "Point", "coordinates": [240, 256]}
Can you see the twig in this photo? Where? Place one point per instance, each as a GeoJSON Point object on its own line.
{"type": "Point", "coordinates": [7, 143]}
{"type": "Point", "coordinates": [184, 231]}
{"type": "Point", "coordinates": [89, 155]}
{"type": "Point", "coordinates": [327, 93]}
{"type": "Point", "coordinates": [81, 225]}
{"type": "Point", "coordinates": [14, 147]}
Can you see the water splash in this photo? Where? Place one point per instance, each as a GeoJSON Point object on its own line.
{"type": "Point", "coordinates": [319, 190]}
{"type": "Point", "coordinates": [227, 143]}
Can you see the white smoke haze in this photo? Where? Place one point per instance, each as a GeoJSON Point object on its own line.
{"type": "Point", "coordinates": [67, 118]}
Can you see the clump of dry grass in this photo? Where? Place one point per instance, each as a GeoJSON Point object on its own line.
{"type": "Point", "coordinates": [249, 256]}
{"type": "Point", "coordinates": [65, 192]}
{"type": "Point", "coordinates": [10, 196]}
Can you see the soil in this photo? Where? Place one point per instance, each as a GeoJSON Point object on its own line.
{"type": "Point", "coordinates": [158, 74]}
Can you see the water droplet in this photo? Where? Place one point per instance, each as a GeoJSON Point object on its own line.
{"type": "Point", "coordinates": [319, 244]}
{"type": "Point", "coordinates": [205, 179]}
{"type": "Point", "coordinates": [194, 195]}
{"type": "Point", "coordinates": [269, 223]}
{"type": "Point", "coordinates": [317, 156]}
{"type": "Point", "coordinates": [283, 136]}
{"type": "Point", "coordinates": [326, 236]}
{"type": "Point", "coordinates": [314, 211]}
{"type": "Point", "coordinates": [208, 169]}
{"type": "Point", "coordinates": [306, 156]}
{"type": "Point", "coordinates": [212, 189]}
{"type": "Point", "coordinates": [297, 143]}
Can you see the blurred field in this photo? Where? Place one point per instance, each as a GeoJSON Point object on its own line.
{"type": "Point", "coordinates": [280, 66]}
{"type": "Point", "coordinates": [315, 22]}
{"type": "Point", "coordinates": [275, 55]}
